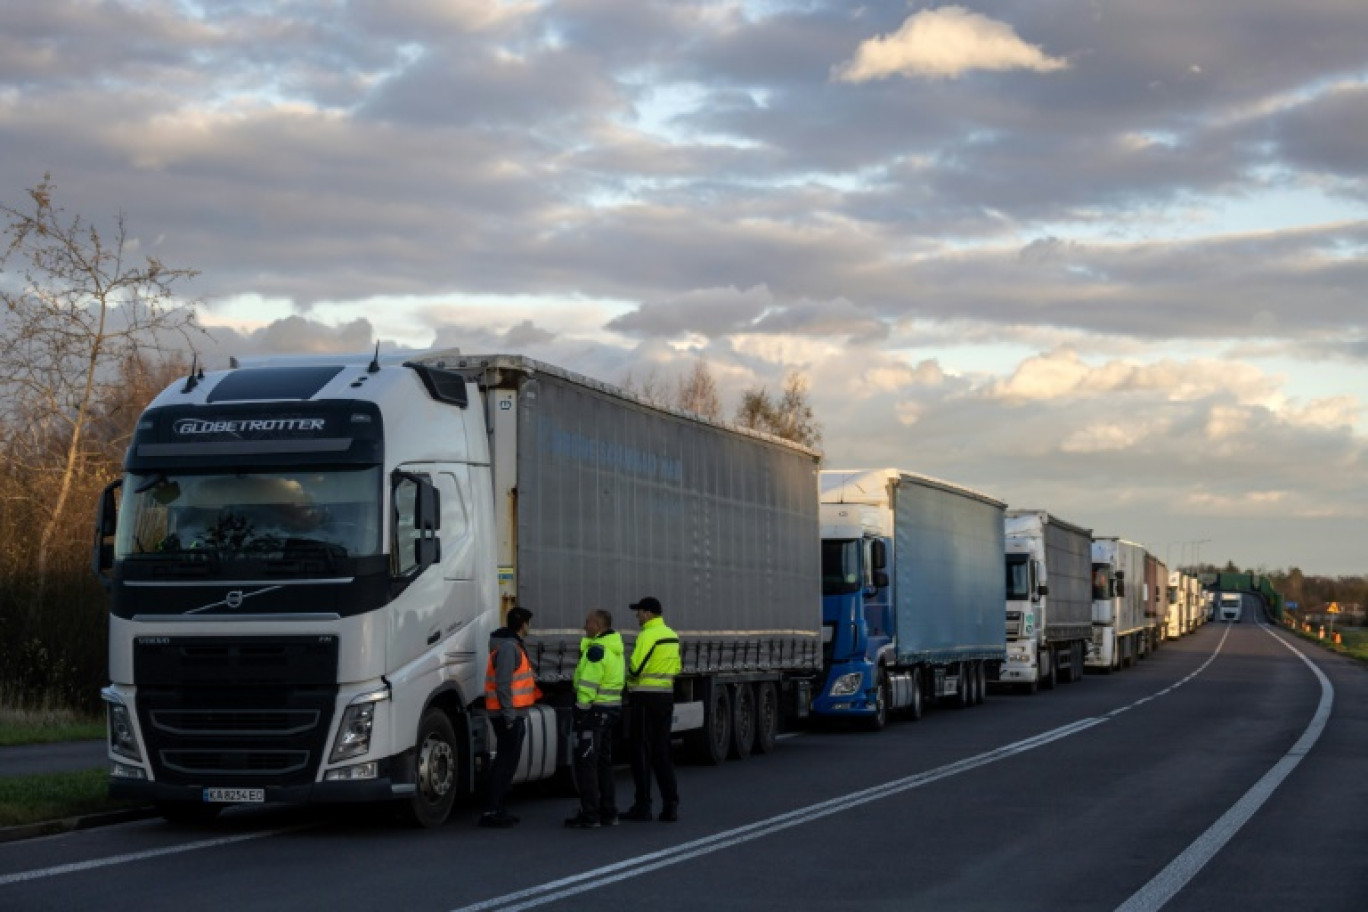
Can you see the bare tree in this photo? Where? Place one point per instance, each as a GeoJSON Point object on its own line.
{"type": "Point", "coordinates": [697, 392]}
{"type": "Point", "coordinates": [790, 416]}
{"type": "Point", "coordinates": [652, 388]}
{"type": "Point", "coordinates": [77, 308]}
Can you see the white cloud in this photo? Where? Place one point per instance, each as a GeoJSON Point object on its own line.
{"type": "Point", "coordinates": [945, 43]}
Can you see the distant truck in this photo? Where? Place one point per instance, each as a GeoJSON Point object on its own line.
{"type": "Point", "coordinates": [1049, 599]}
{"type": "Point", "coordinates": [913, 591]}
{"type": "Point", "coordinates": [306, 559]}
{"type": "Point", "coordinates": [1156, 604]}
{"type": "Point", "coordinates": [1229, 606]}
{"type": "Point", "coordinates": [1118, 591]}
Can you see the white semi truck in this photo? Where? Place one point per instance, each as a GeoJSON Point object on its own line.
{"type": "Point", "coordinates": [1049, 599]}
{"type": "Point", "coordinates": [306, 558]}
{"type": "Point", "coordinates": [1118, 598]}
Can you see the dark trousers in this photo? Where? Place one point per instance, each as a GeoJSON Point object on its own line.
{"type": "Point", "coordinates": [649, 722]}
{"type": "Point", "coordinates": [508, 741]}
{"type": "Point", "coordinates": [594, 761]}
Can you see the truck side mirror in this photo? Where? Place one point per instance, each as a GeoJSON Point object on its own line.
{"type": "Point", "coordinates": [106, 523]}
{"type": "Point", "coordinates": [880, 578]}
{"type": "Point", "coordinates": [1042, 589]}
{"type": "Point", "coordinates": [1120, 586]}
{"type": "Point", "coordinates": [878, 556]}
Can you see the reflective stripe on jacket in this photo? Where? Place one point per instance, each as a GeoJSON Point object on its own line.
{"type": "Point", "coordinates": [599, 675]}
{"type": "Point", "coordinates": [655, 659]}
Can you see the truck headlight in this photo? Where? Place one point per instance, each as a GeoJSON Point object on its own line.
{"type": "Point", "coordinates": [846, 684]}
{"type": "Point", "coordinates": [123, 739]}
{"type": "Point", "coordinates": [354, 732]}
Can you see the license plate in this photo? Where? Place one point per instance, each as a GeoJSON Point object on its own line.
{"type": "Point", "coordinates": [234, 796]}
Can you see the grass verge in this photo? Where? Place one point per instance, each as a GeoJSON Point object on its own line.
{"type": "Point", "coordinates": [1354, 645]}
{"type": "Point", "coordinates": [27, 726]}
{"type": "Point", "coordinates": [55, 796]}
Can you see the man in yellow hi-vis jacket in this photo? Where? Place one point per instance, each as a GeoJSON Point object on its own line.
{"type": "Point", "coordinates": [650, 685]}
{"type": "Point", "coordinates": [598, 707]}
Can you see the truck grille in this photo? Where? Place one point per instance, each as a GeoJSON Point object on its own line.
{"type": "Point", "coordinates": [244, 711]}
{"type": "Point", "coordinates": [230, 722]}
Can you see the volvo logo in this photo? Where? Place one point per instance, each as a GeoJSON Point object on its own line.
{"type": "Point", "coordinates": [233, 600]}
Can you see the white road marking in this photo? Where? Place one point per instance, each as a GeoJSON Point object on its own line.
{"type": "Point", "coordinates": [78, 866]}
{"type": "Point", "coordinates": [1182, 869]}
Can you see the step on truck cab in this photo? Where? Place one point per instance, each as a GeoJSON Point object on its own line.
{"type": "Point", "coordinates": [306, 557]}
{"type": "Point", "coordinates": [912, 594]}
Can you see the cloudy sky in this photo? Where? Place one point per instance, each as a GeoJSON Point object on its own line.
{"type": "Point", "coordinates": [1103, 257]}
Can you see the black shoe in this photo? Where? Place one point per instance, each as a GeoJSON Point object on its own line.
{"type": "Point", "coordinates": [638, 812]}
{"type": "Point", "coordinates": [608, 818]}
{"type": "Point", "coordinates": [582, 821]}
{"type": "Point", "coordinates": [499, 820]}
{"type": "Point", "coordinates": [669, 813]}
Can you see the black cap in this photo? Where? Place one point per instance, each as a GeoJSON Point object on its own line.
{"type": "Point", "coordinates": [647, 604]}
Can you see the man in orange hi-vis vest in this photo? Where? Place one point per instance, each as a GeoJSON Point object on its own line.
{"type": "Point", "coordinates": [510, 688]}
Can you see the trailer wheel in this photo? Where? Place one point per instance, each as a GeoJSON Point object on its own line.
{"type": "Point", "coordinates": [742, 722]}
{"type": "Point", "coordinates": [438, 761]}
{"type": "Point", "coordinates": [982, 676]}
{"type": "Point", "coordinates": [766, 717]}
{"type": "Point", "coordinates": [970, 674]}
{"type": "Point", "coordinates": [882, 699]}
{"type": "Point", "coordinates": [709, 744]}
{"type": "Point", "coordinates": [1076, 661]}
{"type": "Point", "coordinates": [962, 696]}
{"type": "Point", "coordinates": [916, 707]}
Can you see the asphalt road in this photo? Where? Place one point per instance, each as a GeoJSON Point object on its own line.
{"type": "Point", "coordinates": [1223, 772]}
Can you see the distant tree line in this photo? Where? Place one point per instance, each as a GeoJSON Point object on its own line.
{"type": "Point", "coordinates": [1308, 592]}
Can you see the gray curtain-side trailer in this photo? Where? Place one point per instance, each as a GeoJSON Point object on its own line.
{"type": "Point", "coordinates": [603, 498]}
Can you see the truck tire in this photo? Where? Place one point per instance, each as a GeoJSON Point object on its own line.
{"type": "Point", "coordinates": [708, 745]}
{"type": "Point", "coordinates": [962, 696]}
{"type": "Point", "coordinates": [917, 706]}
{"type": "Point", "coordinates": [437, 762]}
{"type": "Point", "coordinates": [1050, 678]}
{"type": "Point", "coordinates": [883, 696]}
{"type": "Point", "coordinates": [766, 717]}
{"type": "Point", "coordinates": [982, 682]}
{"type": "Point", "coordinates": [742, 722]}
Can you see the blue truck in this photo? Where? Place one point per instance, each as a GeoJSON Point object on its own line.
{"type": "Point", "coordinates": [912, 594]}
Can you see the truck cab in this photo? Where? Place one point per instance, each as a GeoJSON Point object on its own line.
{"type": "Point", "coordinates": [857, 606]}
{"type": "Point", "coordinates": [1026, 587]}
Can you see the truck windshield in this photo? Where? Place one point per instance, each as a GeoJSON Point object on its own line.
{"type": "Point", "coordinates": [1101, 582]}
{"type": "Point", "coordinates": [1018, 577]}
{"type": "Point", "coordinates": [259, 515]}
{"type": "Point", "coordinates": [840, 566]}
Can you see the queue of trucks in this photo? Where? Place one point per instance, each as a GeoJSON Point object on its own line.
{"type": "Point", "coordinates": [306, 556]}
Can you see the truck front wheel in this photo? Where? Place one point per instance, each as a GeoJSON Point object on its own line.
{"type": "Point", "coordinates": [882, 698]}
{"type": "Point", "coordinates": [438, 762]}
